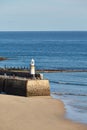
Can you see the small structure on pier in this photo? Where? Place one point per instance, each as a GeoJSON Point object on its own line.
{"type": "Point", "coordinates": [32, 68]}
{"type": "Point", "coordinates": [33, 74]}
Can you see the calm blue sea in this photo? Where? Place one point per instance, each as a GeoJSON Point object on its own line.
{"type": "Point", "coordinates": [53, 50]}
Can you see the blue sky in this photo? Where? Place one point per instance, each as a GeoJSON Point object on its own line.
{"type": "Point", "coordinates": [41, 15]}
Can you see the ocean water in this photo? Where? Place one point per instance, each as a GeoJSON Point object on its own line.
{"type": "Point", "coordinates": [53, 50]}
{"type": "Point", "coordinates": [71, 88]}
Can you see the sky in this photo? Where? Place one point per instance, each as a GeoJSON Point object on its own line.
{"type": "Point", "coordinates": [43, 15]}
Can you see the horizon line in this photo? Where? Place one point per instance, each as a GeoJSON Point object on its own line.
{"type": "Point", "coordinates": [43, 30]}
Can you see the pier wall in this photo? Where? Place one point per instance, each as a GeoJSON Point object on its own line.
{"type": "Point", "coordinates": [24, 74]}
{"type": "Point", "coordinates": [24, 87]}
{"type": "Point", "coordinates": [38, 88]}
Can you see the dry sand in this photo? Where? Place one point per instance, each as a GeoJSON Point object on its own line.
{"type": "Point", "coordinates": [34, 113]}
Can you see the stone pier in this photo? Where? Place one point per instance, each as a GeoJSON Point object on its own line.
{"type": "Point", "coordinates": [24, 87]}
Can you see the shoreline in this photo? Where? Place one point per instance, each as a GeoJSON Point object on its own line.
{"type": "Point", "coordinates": [41, 112]}
{"type": "Point", "coordinates": [70, 113]}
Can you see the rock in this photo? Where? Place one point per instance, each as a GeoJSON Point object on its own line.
{"type": "Point", "coordinates": [3, 58]}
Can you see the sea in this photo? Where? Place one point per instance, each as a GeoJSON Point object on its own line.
{"type": "Point", "coordinates": [53, 50]}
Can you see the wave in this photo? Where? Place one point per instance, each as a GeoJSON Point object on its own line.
{"type": "Point", "coordinates": [66, 93]}
{"type": "Point", "coordinates": [68, 83]}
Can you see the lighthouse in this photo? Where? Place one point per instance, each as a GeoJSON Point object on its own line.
{"type": "Point", "coordinates": [32, 68]}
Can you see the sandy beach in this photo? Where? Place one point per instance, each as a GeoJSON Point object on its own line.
{"type": "Point", "coordinates": [34, 113]}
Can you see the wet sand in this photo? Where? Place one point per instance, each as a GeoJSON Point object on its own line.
{"type": "Point", "coordinates": [34, 113]}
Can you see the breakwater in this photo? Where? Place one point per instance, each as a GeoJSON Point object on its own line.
{"type": "Point", "coordinates": [19, 73]}
{"type": "Point", "coordinates": [25, 71]}
{"type": "Point", "coordinates": [23, 86]}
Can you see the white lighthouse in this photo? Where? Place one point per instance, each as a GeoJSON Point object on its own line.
{"type": "Point", "coordinates": [32, 68]}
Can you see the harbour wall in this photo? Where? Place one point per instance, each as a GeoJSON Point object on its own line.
{"type": "Point", "coordinates": [24, 74]}
{"type": "Point", "coordinates": [38, 88]}
{"type": "Point", "coordinates": [24, 87]}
